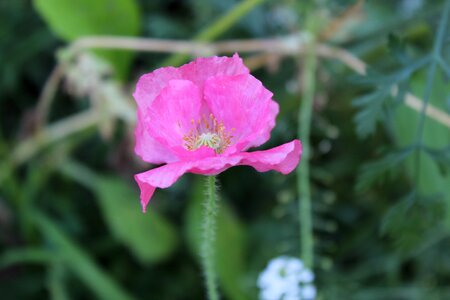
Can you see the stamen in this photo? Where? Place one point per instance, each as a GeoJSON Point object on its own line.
{"type": "Point", "coordinates": [207, 132]}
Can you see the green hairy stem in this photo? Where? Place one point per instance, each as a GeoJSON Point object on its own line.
{"type": "Point", "coordinates": [209, 237]}
{"type": "Point", "coordinates": [303, 184]}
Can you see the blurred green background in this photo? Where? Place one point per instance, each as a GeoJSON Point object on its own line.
{"type": "Point", "coordinates": [71, 226]}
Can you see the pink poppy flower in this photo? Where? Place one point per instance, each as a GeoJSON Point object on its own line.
{"type": "Point", "coordinates": [200, 118]}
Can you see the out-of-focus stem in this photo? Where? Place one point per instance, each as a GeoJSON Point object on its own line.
{"type": "Point", "coordinates": [209, 238]}
{"type": "Point", "coordinates": [217, 28]}
{"type": "Point", "coordinates": [304, 128]}
{"type": "Point", "coordinates": [53, 133]}
{"type": "Point", "coordinates": [437, 52]}
{"type": "Point", "coordinates": [47, 95]}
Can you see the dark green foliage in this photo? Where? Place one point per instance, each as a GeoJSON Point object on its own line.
{"type": "Point", "coordinates": [371, 108]}
{"type": "Point", "coordinates": [412, 219]}
{"type": "Point", "coordinates": [71, 20]}
{"type": "Point", "coordinates": [375, 107]}
{"type": "Point", "coordinates": [389, 165]}
{"type": "Point", "coordinates": [151, 237]}
{"type": "Point", "coordinates": [381, 197]}
{"type": "Point", "coordinates": [74, 258]}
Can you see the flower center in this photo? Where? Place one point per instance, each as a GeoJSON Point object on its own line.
{"type": "Point", "coordinates": [212, 140]}
{"type": "Point", "coordinates": [207, 132]}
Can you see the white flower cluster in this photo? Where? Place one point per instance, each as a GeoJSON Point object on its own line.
{"type": "Point", "coordinates": [286, 278]}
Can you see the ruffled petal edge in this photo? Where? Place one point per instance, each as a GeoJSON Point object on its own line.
{"type": "Point", "coordinates": [283, 159]}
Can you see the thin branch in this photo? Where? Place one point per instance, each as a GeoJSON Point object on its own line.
{"type": "Point", "coordinates": [47, 95]}
{"type": "Point", "coordinates": [431, 74]}
{"type": "Point", "coordinates": [431, 111]}
{"type": "Point", "coordinates": [337, 23]}
{"type": "Point", "coordinates": [269, 60]}
{"type": "Point", "coordinates": [343, 56]}
{"type": "Point", "coordinates": [53, 133]}
{"type": "Point", "coordinates": [288, 45]}
{"type": "Point", "coordinates": [437, 48]}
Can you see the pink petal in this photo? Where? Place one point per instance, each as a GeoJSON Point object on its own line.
{"type": "Point", "coordinates": [243, 104]}
{"type": "Point", "coordinates": [203, 68]}
{"type": "Point", "coordinates": [283, 159]}
{"type": "Point", "coordinates": [148, 148]}
{"type": "Point", "coordinates": [150, 85]}
{"type": "Point", "coordinates": [157, 150]}
{"type": "Point", "coordinates": [172, 114]}
{"type": "Point", "coordinates": [165, 176]}
{"type": "Point", "coordinates": [161, 177]}
{"type": "Point", "coordinates": [147, 89]}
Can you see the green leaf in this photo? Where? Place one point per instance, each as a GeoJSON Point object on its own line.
{"type": "Point", "coordinates": [71, 20]}
{"type": "Point", "coordinates": [412, 219]}
{"type": "Point", "coordinates": [387, 81]}
{"type": "Point", "coordinates": [79, 262]}
{"type": "Point", "coordinates": [26, 255]}
{"type": "Point", "coordinates": [441, 156]}
{"type": "Point", "coordinates": [397, 47]}
{"type": "Point", "coordinates": [150, 236]}
{"type": "Point", "coordinates": [371, 107]}
{"type": "Point", "coordinates": [56, 282]}
{"type": "Point", "coordinates": [432, 178]}
{"type": "Point", "coordinates": [377, 170]}
{"type": "Point", "coordinates": [230, 242]}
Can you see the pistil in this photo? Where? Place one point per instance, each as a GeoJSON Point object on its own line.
{"type": "Point", "coordinates": [207, 132]}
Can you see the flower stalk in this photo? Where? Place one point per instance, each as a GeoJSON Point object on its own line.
{"type": "Point", "coordinates": [209, 238]}
{"type": "Point", "coordinates": [303, 184]}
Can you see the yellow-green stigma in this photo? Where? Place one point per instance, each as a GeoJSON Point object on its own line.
{"type": "Point", "coordinates": [209, 133]}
